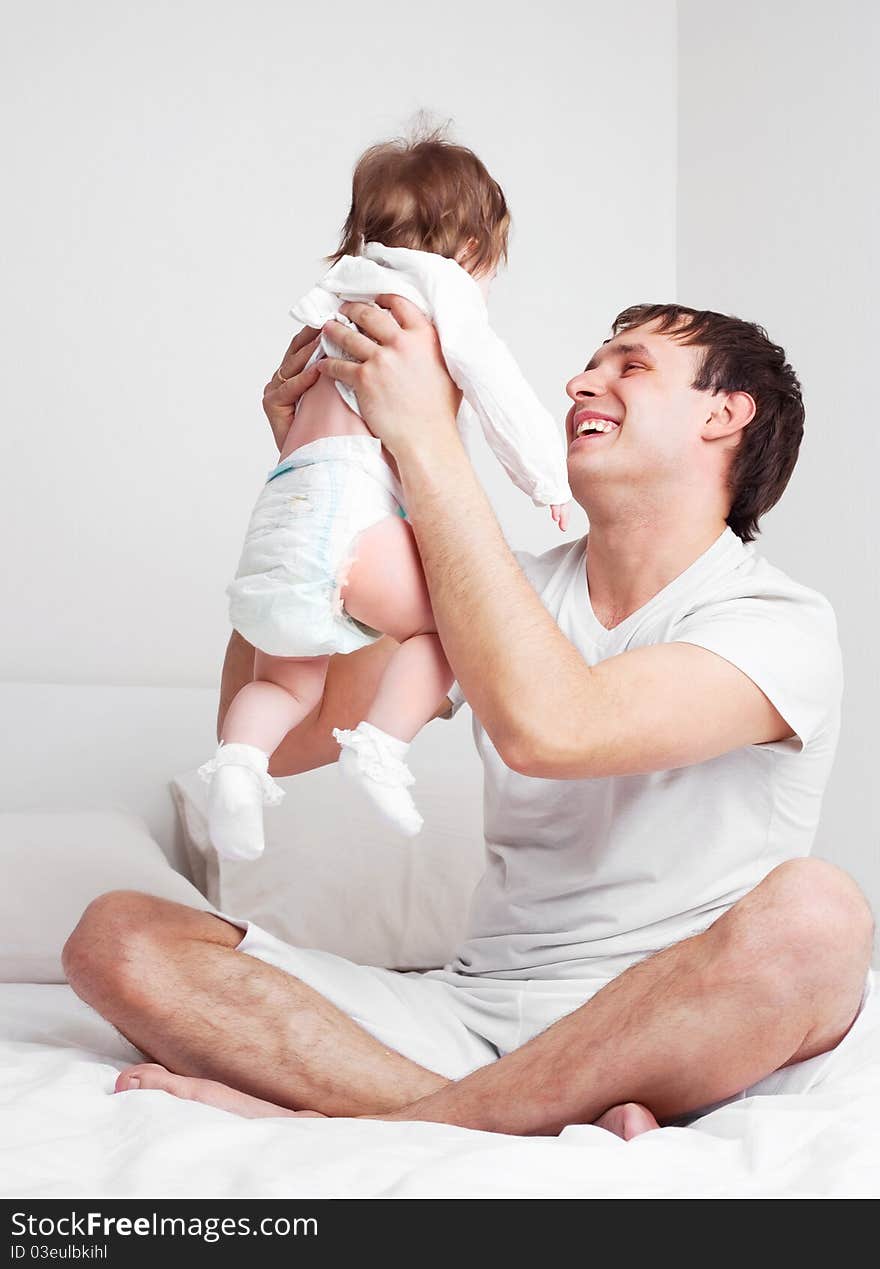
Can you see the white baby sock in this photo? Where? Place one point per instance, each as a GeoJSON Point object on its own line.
{"type": "Point", "coordinates": [239, 786]}
{"type": "Point", "coordinates": [373, 760]}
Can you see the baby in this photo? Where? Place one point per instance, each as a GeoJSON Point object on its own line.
{"type": "Point", "coordinates": [329, 562]}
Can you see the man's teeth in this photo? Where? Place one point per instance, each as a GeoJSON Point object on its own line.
{"type": "Point", "coordinates": [595, 425]}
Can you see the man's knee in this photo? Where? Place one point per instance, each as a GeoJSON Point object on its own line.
{"type": "Point", "coordinates": [116, 939]}
{"type": "Point", "coordinates": [824, 913]}
{"type": "Point", "coordinates": [806, 924]}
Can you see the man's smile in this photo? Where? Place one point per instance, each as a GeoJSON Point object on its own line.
{"type": "Point", "coordinates": [588, 424]}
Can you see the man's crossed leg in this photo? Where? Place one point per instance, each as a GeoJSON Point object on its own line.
{"type": "Point", "coordinates": [776, 980]}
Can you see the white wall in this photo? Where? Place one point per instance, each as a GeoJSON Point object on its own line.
{"type": "Point", "coordinates": [173, 176]}
{"type": "Point", "coordinates": [779, 133]}
{"type": "Point", "coordinates": [177, 172]}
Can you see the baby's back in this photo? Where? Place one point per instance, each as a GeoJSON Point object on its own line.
{"type": "Point", "coordinates": [322, 412]}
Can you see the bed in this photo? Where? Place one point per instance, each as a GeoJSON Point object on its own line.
{"type": "Point", "coordinates": [98, 792]}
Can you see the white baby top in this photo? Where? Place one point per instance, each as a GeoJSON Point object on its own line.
{"type": "Point", "coordinates": [524, 436]}
{"type": "Point", "coordinates": [585, 871]}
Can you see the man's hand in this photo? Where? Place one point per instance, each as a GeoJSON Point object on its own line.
{"type": "Point", "coordinates": [279, 399]}
{"type": "Point", "coordinates": [403, 388]}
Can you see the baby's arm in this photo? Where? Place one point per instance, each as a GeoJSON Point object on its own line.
{"type": "Point", "coordinates": [560, 512]}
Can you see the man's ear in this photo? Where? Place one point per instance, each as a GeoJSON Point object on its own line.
{"type": "Point", "coordinates": [733, 412]}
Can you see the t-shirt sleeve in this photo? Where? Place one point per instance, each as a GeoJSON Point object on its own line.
{"type": "Point", "coordinates": [787, 644]}
{"type": "Point", "coordinates": [456, 700]}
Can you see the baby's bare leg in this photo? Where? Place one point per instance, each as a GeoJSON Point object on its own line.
{"type": "Point", "coordinates": [386, 589]}
{"type": "Point", "coordinates": [410, 691]}
{"type": "Point", "coordinates": [284, 691]}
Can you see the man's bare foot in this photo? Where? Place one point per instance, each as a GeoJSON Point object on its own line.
{"type": "Point", "coordinates": [152, 1076]}
{"type": "Point", "coordinates": [627, 1121]}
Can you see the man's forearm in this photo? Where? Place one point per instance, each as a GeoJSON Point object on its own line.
{"type": "Point", "coordinates": [238, 669]}
{"type": "Point", "coordinates": [506, 650]}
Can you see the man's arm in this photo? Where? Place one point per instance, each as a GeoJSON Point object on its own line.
{"type": "Point", "coordinates": [547, 712]}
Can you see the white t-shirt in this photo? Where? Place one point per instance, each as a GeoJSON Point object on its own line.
{"type": "Point", "coordinates": [587, 876]}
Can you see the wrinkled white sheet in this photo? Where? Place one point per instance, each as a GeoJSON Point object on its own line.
{"type": "Point", "coordinates": [64, 1133]}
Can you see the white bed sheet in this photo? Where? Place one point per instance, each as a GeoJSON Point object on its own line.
{"type": "Point", "coordinates": [63, 1133]}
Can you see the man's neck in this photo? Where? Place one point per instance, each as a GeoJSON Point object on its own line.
{"type": "Point", "coordinates": [630, 561]}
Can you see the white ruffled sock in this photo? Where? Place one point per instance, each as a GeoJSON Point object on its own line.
{"type": "Point", "coordinates": [373, 760]}
{"type": "Point", "coordinates": [239, 786]}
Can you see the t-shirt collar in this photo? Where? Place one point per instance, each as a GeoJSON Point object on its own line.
{"type": "Point", "coordinates": [726, 544]}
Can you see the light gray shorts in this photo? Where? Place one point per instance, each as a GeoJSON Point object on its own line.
{"type": "Point", "coordinates": [453, 1023]}
{"type": "Point", "coordinates": [301, 542]}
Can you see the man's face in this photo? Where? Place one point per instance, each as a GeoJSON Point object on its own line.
{"type": "Point", "coordinates": [639, 381]}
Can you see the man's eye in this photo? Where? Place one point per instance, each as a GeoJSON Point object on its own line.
{"type": "Point", "coordinates": [633, 365]}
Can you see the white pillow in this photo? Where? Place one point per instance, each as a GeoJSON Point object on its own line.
{"type": "Point", "coordinates": [332, 876]}
{"type": "Point", "coordinates": [53, 863]}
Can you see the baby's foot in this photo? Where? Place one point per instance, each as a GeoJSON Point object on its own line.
{"type": "Point", "coordinates": [235, 813]}
{"type": "Point", "coordinates": [238, 788]}
{"type": "Point", "coordinates": [373, 761]}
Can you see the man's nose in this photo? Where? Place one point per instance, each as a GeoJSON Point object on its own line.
{"type": "Point", "coordinates": [584, 386]}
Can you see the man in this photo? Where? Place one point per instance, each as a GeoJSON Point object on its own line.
{"type": "Point", "coordinates": [657, 732]}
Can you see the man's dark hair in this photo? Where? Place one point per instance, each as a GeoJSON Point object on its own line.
{"type": "Point", "coordinates": [738, 356]}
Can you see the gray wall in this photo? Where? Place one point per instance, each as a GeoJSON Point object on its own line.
{"type": "Point", "coordinates": [779, 133]}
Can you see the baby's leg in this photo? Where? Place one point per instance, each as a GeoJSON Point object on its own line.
{"type": "Point", "coordinates": [283, 691]}
{"type": "Point", "coordinates": [415, 682]}
{"type": "Point", "coordinates": [386, 589]}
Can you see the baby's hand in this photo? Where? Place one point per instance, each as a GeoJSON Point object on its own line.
{"type": "Point", "coordinates": [559, 511]}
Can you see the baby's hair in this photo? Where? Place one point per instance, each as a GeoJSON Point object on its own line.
{"type": "Point", "coordinates": [424, 192]}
